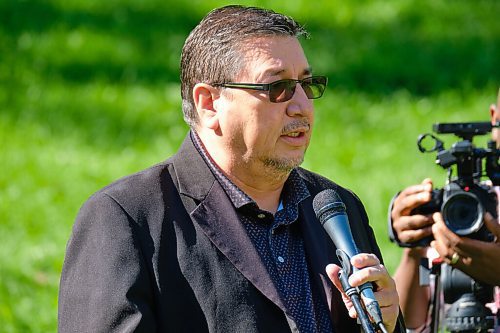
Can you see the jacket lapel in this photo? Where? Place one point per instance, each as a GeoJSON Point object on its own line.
{"type": "Point", "coordinates": [229, 235]}
{"type": "Point", "coordinates": [216, 216]}
{"type": "Point", "coordinates": [318, 250]}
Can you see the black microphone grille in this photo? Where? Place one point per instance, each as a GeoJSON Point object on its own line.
{"type": "Point", "coordinates": [326, 203]}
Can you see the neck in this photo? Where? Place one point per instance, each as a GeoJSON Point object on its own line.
{"type": "Point", "coordinates": [266, 197]}
{"type": "Point", "coordinates": [261, 183]}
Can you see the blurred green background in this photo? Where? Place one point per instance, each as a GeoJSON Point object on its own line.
{"type": "Point", "coordinates": [89, 92]}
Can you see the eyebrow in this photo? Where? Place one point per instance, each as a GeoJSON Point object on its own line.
{"type": "Point", "coordinates": [271, 72]}
{"type": "Point", "coordinates": [307, 71]}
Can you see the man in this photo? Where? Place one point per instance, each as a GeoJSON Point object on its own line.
{"type": "Point", "coordinates": [222, 237]}
{"type": "Point", "coordinates": [478, 259]}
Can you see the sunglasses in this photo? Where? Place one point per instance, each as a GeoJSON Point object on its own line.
{"type": "Point", "coordinates": [283, 90]}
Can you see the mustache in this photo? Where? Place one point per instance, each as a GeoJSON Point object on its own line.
{"type": "Point", "coordinates": [295, 125]}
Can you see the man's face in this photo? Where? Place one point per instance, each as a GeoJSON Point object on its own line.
{"type": "Point", "coordinates": [256, 132]}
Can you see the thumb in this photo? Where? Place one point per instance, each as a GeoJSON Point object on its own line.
{"type": "Point", "coordinates": [333, 273]}
{"type": "Point", "coordinates": [492, 225]}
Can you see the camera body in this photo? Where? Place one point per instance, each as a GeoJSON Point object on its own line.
{"type": "Point", "coordinates": [464, 199]}
{"type": "Point", "coordinates": [463, 209]}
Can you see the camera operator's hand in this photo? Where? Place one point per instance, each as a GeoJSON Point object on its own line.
{"type": "Point", "coordinates": [371, 270]}
{"type": "Point", "coordinates": [411, 228]}
{"type": "Point", "coordinates": [479, 259]}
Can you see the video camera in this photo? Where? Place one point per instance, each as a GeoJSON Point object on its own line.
{"type": "Point", "coordinates": [465, 198]}
{"type": "Point", "coordinates": [463, 202]}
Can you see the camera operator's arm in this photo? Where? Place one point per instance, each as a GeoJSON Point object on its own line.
{"type": "Point", "coordinates": [413, 298]}
{"type": "Point", "coordinates": [479, 259]}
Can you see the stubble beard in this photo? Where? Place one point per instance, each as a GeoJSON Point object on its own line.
{"type": "Point", "coordinates": [280, 168]}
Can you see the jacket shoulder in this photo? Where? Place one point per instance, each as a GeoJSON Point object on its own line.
{"type": "Point", "coordinates": [317, 183]}
{"type": "Point", "coordinates": [137, 194]}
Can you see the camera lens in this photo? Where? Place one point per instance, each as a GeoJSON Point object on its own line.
{"type": "Point", "coordinates": [463, 213]}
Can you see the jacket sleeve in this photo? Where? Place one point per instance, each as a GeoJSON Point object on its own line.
{"type": "Point", "coordinates": [105, 284]}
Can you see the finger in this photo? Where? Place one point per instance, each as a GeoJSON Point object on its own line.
{"type": "Point", "coordinates": [438, 228]}
{"type": "Point", "coordinates": [468, 247]}
{"type": "Point", "coordinates": [409, 200]}
{"type": "Point", "coordinates": [441, 231]}
{"type": "Point", "coordinates": [424, 186]}
{"type": "Point", "coordinates": [332, 271]}
{"type": "Point", "coordinates": [492, 225]}
{"type": "Point", "coordinates": [361, 260]}
{"type": "Point", "coordinates": [375, 274]}
{"type": "Point", "coordinates": [412, 228]}
{"type": "Point", "coordinates": [411, 236]}
{"type": "Point", "coordinates": [352, 312]}
{"type": "Point", "coordinates": [412, 222]}
{"type": "Point", "coordinates": [446, 250]}
{"type": "Point", "coordinates": [370, 270]}
{"type": "Point", "coordinates": [440, 243]}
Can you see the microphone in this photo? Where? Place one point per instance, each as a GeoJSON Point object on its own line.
{"type": "Point", "coordinates": [331, 213]}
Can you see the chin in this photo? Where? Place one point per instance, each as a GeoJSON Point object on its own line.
{"type": "Point", "coordinates": [284, 164]}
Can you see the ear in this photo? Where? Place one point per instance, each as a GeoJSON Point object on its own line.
{"type": "Point", "coordinates": [204, 96]}
{"type": "Point", "coordinates": [493, 114]}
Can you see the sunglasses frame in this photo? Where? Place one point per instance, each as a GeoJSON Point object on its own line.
{"type": "Point", "coordinates": [320, 81]}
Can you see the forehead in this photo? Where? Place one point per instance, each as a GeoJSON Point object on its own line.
{"type": "Point", "coordinates": [274, 56]}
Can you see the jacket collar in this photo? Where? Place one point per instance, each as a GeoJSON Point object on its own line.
{"type": "Point", "coordinates": [194, 178]}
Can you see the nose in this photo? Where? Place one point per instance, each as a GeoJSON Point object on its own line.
{"type": "Point", "coordinates": [299, 104]}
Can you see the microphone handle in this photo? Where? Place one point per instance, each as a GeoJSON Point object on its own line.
{"type": "Point", "coordinates": [337, 227]}
{"type": "Point", "coordinates": [352, 293]}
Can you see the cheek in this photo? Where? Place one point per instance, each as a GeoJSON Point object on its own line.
{"type": "Point", "coordinates": [261, 136]}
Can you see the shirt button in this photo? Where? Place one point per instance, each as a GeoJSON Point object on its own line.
{"type": "Point", "coordinates": [261, 215]}
{"type": "Point", "coordinates": [281, 259]}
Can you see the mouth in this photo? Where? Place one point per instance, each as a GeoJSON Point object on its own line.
{"type": "Point", "coordinates": [296, 131]}
{"type": "Point", "coordinates": [294, 134]}
{"type": "Point", "coordinates": [298, 136]}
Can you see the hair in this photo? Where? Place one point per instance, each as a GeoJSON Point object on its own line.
{"type": "Point", "coordinates": [212, 52]}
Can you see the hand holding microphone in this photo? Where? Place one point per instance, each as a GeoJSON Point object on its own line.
{"type": "Point", "coordinates": [358, 270]}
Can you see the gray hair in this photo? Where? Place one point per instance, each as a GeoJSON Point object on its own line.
{"type": "Point", "coordinates": [211, 53]}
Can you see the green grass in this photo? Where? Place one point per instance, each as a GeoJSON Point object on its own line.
{"type": "Point", "coordinates": [89, 93]}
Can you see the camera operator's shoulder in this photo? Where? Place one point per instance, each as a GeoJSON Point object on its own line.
{"type": "Point", "coordinates": [316, 183]}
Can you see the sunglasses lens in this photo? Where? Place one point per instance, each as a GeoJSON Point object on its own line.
{"type": "Point", "coordinates": [282, 91]}
{"type": "Point", "coordinates": [314, 86]}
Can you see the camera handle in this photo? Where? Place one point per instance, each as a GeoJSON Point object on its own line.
{"type": "Point", "coordinates": [436, 296]}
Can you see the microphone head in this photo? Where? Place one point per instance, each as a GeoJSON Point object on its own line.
{"type": "Point", "coordinates": [326, 204]}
